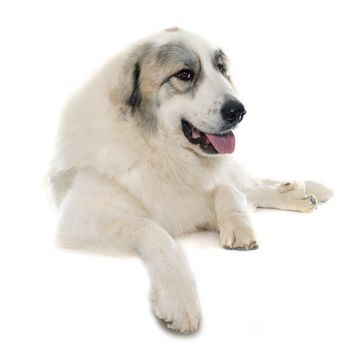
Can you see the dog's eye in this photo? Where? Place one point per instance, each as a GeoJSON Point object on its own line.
{"type": "Point", "coordinates": [221, 68]}
{"type": "Point", "coordinates": [185, 75]}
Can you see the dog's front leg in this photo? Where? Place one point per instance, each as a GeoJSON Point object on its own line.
{"type": "Point", "coordinates": [88, 219]}
{"type": "Point", "coordinates": [291, 195]}
{"type": "Point", "coordinates": [173, 291]}
{"type": "Point", "coordinates": [233, 221]}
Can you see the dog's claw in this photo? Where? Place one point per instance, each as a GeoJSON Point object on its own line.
{"type": "Point", "coordinates": [313, 201]}
{"type": "Point", "coordinates": [253, 245]}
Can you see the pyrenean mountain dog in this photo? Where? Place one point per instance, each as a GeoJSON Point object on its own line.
{"type": "Point", "coordinates": [144, 154]}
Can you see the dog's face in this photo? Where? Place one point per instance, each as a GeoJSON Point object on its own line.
{"type": "Point", "coordinates": [180, 88]}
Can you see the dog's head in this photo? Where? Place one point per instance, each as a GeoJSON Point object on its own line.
{"type": "Point", "coordinates": [178, 85]}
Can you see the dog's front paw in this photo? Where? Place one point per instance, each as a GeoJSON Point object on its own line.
{"type": "Point", "coordinates": [308, 204]}
{"type": "Point", "coordinates": [295, 197]}
{"type": "Point", "coordinates": [238, 236]}
{"type": "Point", "coordinates": [177, 305]}
{"type": "Point", "coordinates": [321, 192]}
{"type": "Point", "coordinates": [304, 204]}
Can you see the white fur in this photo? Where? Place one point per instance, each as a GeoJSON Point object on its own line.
{"type": "Point", "coordinates": [119, 187]}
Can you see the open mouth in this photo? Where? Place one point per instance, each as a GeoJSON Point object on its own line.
{"type": "Point", "coordinates": [209, 143]}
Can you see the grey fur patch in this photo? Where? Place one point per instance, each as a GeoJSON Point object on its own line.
{"type": "Point", "coordinates": [176, 54]}
{"type": "Point", "coordinates": [219, 59]}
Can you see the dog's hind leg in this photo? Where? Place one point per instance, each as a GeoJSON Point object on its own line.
{"type": "Point", "coordinates": [88, 218]}
{"type": "Point", "coordinates": [295, 196]}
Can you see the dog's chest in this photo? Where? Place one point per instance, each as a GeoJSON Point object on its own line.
{"type": "Point", "coordinates": [180, 201]}
{"type": "Point", "coordinates": [179, 210]}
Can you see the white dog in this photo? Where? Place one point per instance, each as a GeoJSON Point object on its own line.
{"type": "Point", "coordinates": [144, 155]}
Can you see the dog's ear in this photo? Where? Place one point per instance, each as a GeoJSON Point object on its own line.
{"type": "Point", "coordinates": [126, 94]}
{"type": "Point", "coordinates": [132, 93]}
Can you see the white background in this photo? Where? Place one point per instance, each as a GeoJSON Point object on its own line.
{"type": "Point", "coordinates": [290, 61]}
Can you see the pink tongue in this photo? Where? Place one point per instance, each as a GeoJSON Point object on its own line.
{"type": "Point", "coordinates": [223, 144]}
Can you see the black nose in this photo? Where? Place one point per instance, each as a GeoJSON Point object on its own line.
{"type": "Point", "coordinates": [233, 111]}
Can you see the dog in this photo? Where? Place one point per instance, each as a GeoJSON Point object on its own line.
{"type": "Point", "coordinates": [144, 154]}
